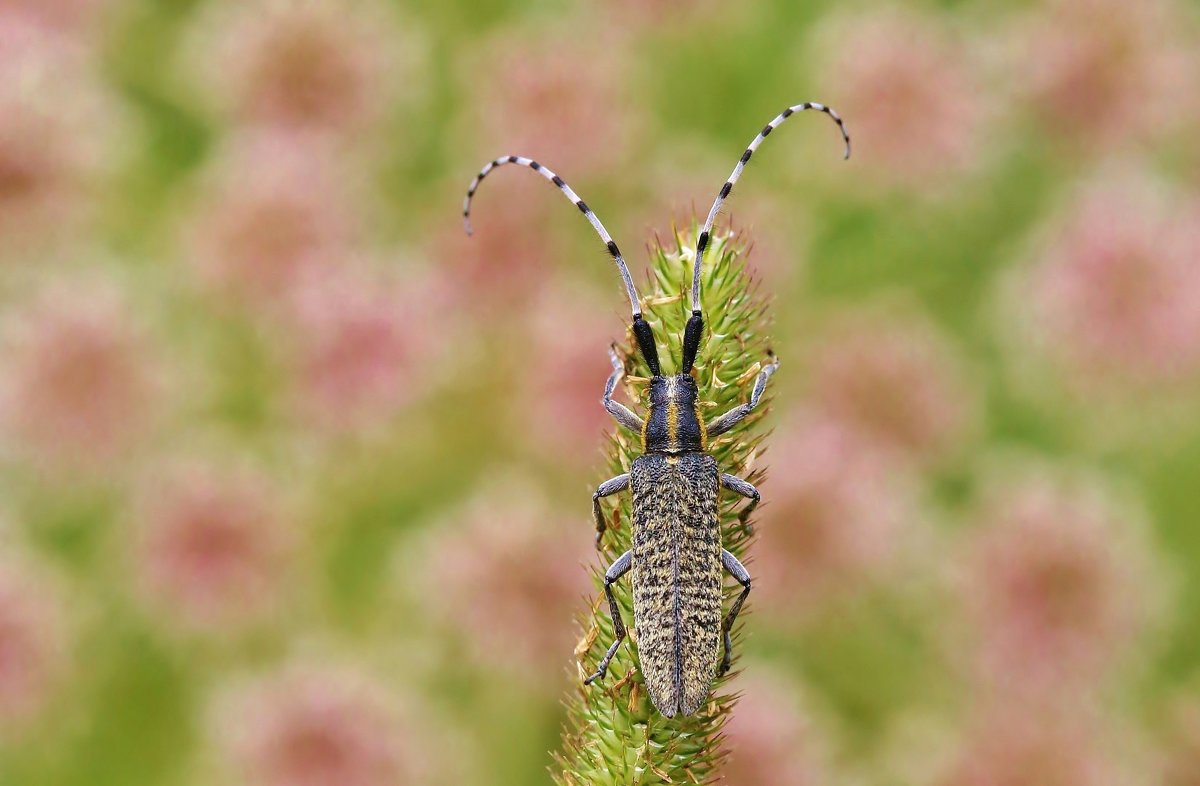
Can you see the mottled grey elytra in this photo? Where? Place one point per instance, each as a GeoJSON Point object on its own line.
{"type": "Point", "coordinates": [677, 558]}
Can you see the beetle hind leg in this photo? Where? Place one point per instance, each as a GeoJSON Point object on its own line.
{"type": "Point", "coordinates": [740, 573]}
{"type": "Point", "coordinates": [615, 571]}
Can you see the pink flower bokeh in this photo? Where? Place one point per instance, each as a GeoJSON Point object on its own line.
{"type": "Point", "coordinates": [1103, 73]}
{"type": "Point", "coordinates": [1025, 744]}
{"type": "Point", "coordinates": [833, 521]}
{"type": "Point", "coordinates": [504, 265]}
{"type": "Point", "coordinates": [272, 214]}
{"type": "Point", "coordinates": [509, 575]}
{"type": "Point", "coordinates": [79, 381]}
{"type": "Point", "coordinates": [212, 546]}
{"type": "Point", "coordinates": [559, 103]}
{"type": "Point", "coordinates": [897, 384]}
{"type": "Point", "coordinates": [32, 643]}
{"type": "Point", "coordinates": [1114, 293]}
{"type": "Point", "coordinates": [557, 401]}
{"type": "Point", "coordinates": [320, 726]}
{"type": "Point", "coordinates": [911, 94]}
{"type": "Point", "coordinates": [307, 66]}
{"type": "Point", "coordinates": [1056, 583]}
{"type": "Point", "coordinates": [69, 17]}
{"type": "Point", "coordinates": [770, 738]}
{"type": "Point", "coordinates": [362, 345]}
{"type": "Point", "coordinates": [55, 126]}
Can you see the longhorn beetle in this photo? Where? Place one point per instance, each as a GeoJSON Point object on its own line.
{"type": "Point", "coordinates": [677, 556]}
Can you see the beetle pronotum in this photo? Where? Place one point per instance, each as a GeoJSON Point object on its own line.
{"type": "Point", "coordinates": [677, 557]}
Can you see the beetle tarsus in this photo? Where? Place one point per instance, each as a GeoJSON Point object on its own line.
{"type": "Point", "coordinates": [603, 669]}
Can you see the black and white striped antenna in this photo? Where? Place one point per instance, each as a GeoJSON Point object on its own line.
{"type": "Point", "coordinates": [706, 231]}
{"type": "Point", "coordinates": [634, 302]}
{"type": "Point", "coordinates": [641, 328]}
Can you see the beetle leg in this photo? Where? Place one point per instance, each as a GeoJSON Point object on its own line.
{"type": "Point", "coordinates": [739, 486]}
{"type": "Point", "coordinates": [615, 571]}
{"type": "Point", "coordinates": [722, 423]}
{"type": "Point", "coordinates": [622, 413]}
{"type": "Point", "coordinates": [607, 488]}
{"type": "Point", "coordinates": [743, 576]}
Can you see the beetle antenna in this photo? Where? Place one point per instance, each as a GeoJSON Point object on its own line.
{"type": "Point", "coordinates": [702, 241]}
{"type": "Point", "coordinates": [575, 200]}
{"type": "Point", "coordinates": [641, 328]}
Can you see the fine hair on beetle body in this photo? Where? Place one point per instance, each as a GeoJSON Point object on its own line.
{"type": "Point", "coordinates": [677, 559]}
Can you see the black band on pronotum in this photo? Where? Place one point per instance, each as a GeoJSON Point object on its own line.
{"type": "Point", "coordinates": [645, 339]}
{"type": "Point", "coordinates": [691, 341]}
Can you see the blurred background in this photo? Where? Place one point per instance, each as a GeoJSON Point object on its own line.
{"type": "Point", "coordinates": [295, 476]}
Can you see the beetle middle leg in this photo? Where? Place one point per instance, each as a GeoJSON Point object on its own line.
{"type": "Point", "coordinates": [615, 571]}
{"type": "Point", "coordinates": [739, 486]}
{"type": "Point", "coordinates": [722, 423]}
{"type": "Point", "coordinates": [607, 488]}
{"type": "Point", "coordinates": [743, 576]}
{"type": "Point", "coordinates": [622, 413]}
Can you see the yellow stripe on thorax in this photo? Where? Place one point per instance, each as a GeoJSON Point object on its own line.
{"type": "Point", "coordinates": [672, 417]}
{"type": "Point", "coordinates": [645, 425]}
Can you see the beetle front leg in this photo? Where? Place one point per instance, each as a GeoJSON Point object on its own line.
{"type": "Point", "coordinates": [743, 576]}
{"type": "Point", "coordinates": [739, 486]}
{"type": "Point", "coordinates": [722, 423]}
{"type": "Point", "coordinates": [622, 413]}
{"type": "Point", "coordinates": [615, 571]}
{"type": "Point", "coordinates": [607, 488]}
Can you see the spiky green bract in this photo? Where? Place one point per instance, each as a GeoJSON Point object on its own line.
{"type": "Point", "coordinates": [613, 734]}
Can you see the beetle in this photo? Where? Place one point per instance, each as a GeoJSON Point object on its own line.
{"type": "Point", "coordinates": [677, 557]}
